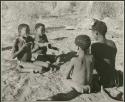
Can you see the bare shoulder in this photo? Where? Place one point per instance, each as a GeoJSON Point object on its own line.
{"type": "Point", "coordinates": [90, 57]}
{"type": "Point", "coordinates": [111, 43]}
{"type": "Point", "coordinates": [16, 40]}
{"type": "Point", "coordinates": [73, 60]}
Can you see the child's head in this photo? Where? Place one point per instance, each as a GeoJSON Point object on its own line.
{"type": "Point", "coordinates": [23, 29]}
{"type": "Point", "coordinates": [99, 28]}
{"type": "Point", "coordinates": [40, 28]}
{"type": "Point", "coordinates": [83, 42]}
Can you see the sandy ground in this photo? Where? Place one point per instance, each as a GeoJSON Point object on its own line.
{"type": "Point", "coordinates": [18, 86]}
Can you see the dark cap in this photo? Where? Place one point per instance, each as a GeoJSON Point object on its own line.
{"type": "Point", "coordinates": [99, 26]}
{"type": "Point", "coordinates": [83, 41]}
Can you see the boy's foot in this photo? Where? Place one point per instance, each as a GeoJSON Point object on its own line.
{"type": "Point", "coordinates": [35, 72]}
{"type": "Point", "coordinates": [114, 93]}
{"type": "Point", "coordinates": [41, 71]}
{"type": "Point", "coordinates": [20, 66]}
{"type": "Point", "coordinates": [44, 69]}
{"type": "Point", "coordinates": [54, 67]}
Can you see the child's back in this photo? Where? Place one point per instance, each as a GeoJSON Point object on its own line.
{"type": "Point", "coordinates": [81, 66]}
{"type": "Point", "coordinates": [82, 70]}
{"type": "Point", "coordinates": [104, 54]}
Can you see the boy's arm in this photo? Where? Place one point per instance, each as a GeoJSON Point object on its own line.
{"type": "Point", "coordinates": [90, 71]}
{"type": "Point", "coordinates": [93, 49]}
{"type": "Point", "coordinates": [15, 53]}
{"type": "Point", "coordinates": [14, 49]}
{"type": "Point", "coordinates": [53, 47]}
{"type": "Point", "coordinates": [46, 38]}
{"type": "Point", "coordinates": [115, 49]}
{"type": "Point", "coordinates": [43, 44]}
{"type": "Point", "coordinates": [33, 43]}
{"type": "Point", "coordinates": [36, 47]}
{"type": "Point", "coordinates": [70, 68]}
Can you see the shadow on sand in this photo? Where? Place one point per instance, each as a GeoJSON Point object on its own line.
{"type": "Point", "coordinates": [63, 96]}
{"type": "Point", "coordinates": [63, 58]}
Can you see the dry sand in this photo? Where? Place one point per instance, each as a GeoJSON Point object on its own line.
{"type": "Point", "coordinates": [16, 86]}
{"type": "Point", "coordinates": [30, 87]}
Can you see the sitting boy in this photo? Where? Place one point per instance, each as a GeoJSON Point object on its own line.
{"type": "Point", "coordinates": [81, 67]}
{"type": "Point", "coordinates": [104, 52]}
{"type": "Point", "coordinates": [41, 44]}
{"type": "Point", "coordinates": [23, 46]}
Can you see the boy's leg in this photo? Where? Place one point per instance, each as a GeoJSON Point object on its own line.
{"type": "Point", "coordinates": [68, 83]}
{"type": "Point", "coordinates": [37, 66]}
{"type": "Point", "coordinates": [45, 66]}
{"type": "Point", "coordinates": [79, 88]}
{"type": "Point", "coordinates": [28, 67]}
{"type": "Point", "coordinates": [42, 64]}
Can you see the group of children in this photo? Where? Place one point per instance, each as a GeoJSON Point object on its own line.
{"type": "Point", "coordinates": [27, 49]}
{"type": "Point", "coordinates": [101, 57]}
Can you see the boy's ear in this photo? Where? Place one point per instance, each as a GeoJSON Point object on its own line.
{"type": "Point", "coordinates": [94, 20]}
{"type": "Point", "coordinates": [78, 47]}
{"type": "Point", "coordinates": [97, 33]}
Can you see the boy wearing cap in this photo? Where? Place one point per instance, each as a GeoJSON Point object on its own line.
{"type": "Point", "coordinates": [80, 75]}
{"type": "Point", "coordinates": [104, 52]}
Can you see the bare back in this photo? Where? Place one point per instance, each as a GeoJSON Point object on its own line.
{"type": "Point", "coordinates": [82, 72]}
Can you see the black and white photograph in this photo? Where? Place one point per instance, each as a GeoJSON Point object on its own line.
{"type": "Point", "coordinates": [62, 51]}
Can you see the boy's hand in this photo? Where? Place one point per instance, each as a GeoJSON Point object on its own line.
{"type": "Point", "coordinates": [41, 44]}
{"type": "Point", "coordinates": [29, 43]}
{"type": "Point", "coordinates": [26, 45]}
{"type": "Point", "coordinates": [49, 46]}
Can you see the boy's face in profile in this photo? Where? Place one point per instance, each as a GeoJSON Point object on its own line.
{"type": "Point", "coordinates": [39, 30]}
{"type": "Point", "coordinates": [78, 51]}
{"type": "Point", "coordinates": [23, 32]}
{"type": "Point", "coordinates": [95, 34]}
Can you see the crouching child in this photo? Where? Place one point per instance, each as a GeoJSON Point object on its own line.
{"type": "Point", "coordinates": [79, 76]}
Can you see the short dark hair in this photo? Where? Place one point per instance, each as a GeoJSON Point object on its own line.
{"type": "Point", "coordinates": [39, 25]}
{"type": "Point", "coordinates": [83, 41]}
{"type": "Point", "coordinates": [24, 26]}
{"type": "Point", "coordinates": [100, 26]}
